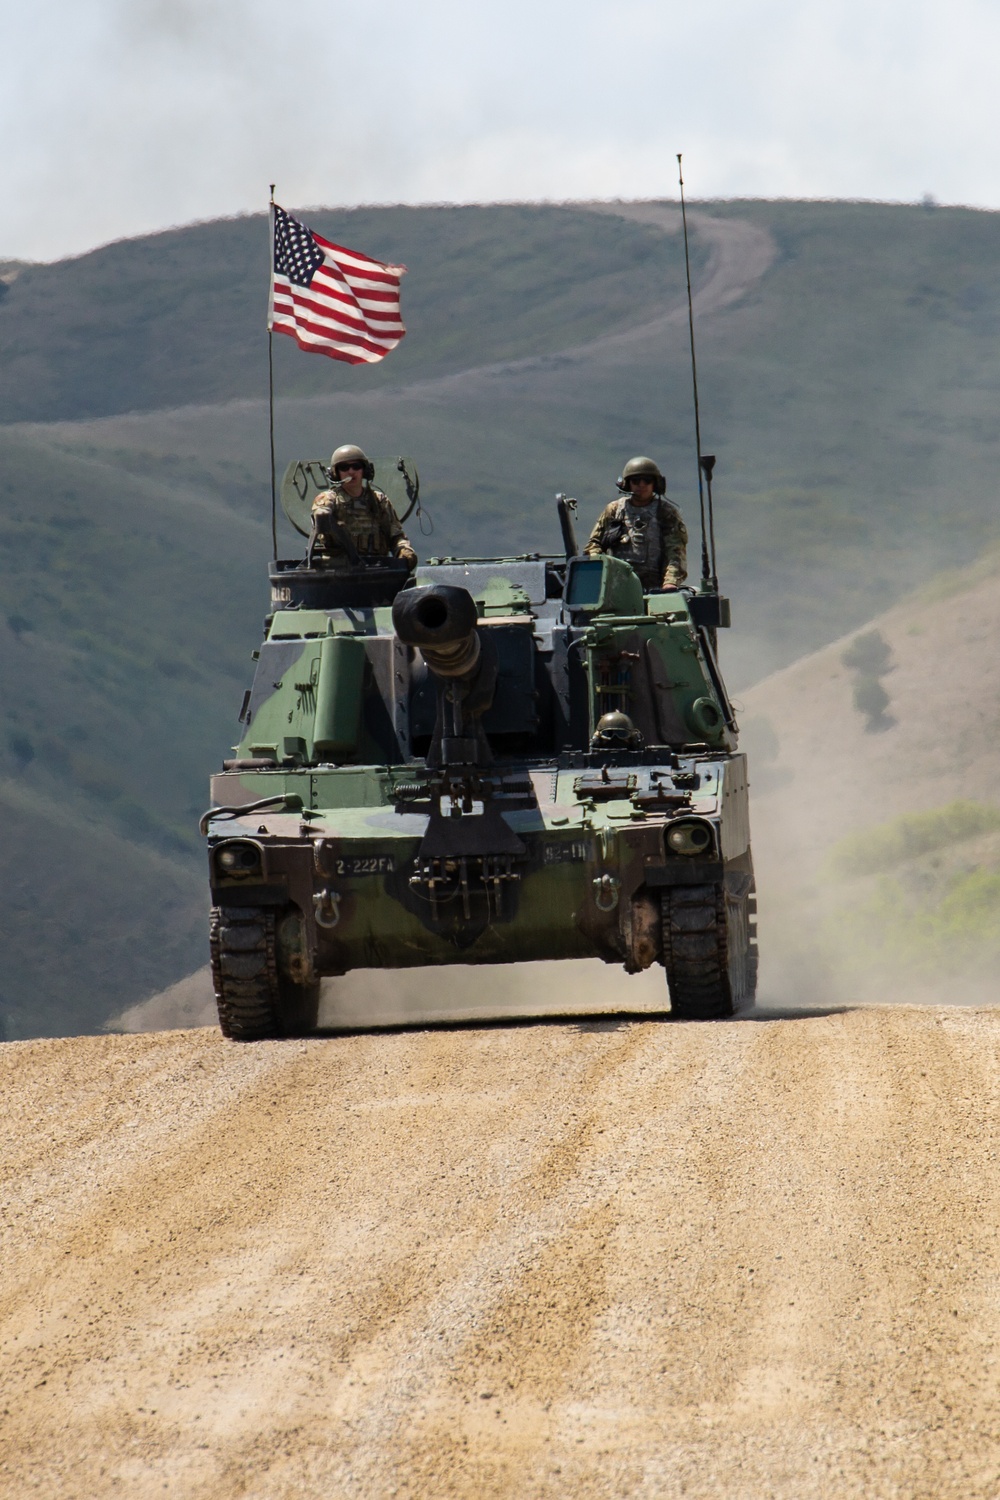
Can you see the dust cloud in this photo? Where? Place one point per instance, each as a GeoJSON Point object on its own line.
{"type": "Point", "coordinates": [876, 825]}
{"type": "Point", "coordinates": [409, 997]}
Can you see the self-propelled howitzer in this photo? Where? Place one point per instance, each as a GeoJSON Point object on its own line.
{"type": "Point", "coordinates": [499, 760]}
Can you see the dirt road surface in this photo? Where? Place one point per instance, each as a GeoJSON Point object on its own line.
{"type": "Point", "coordinates": [593, 1259]}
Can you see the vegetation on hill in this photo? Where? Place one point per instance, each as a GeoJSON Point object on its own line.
{"type": "Point", "coordinates": [125, 648]}
{"type": "Point", "coordinates": [849, 395]}
{"type": "Point", "coordinates": [910, 836]}
{"type": "Point", "coordinates": [929, 914]}
{"type": "Point", "coordinates": [178, 318]}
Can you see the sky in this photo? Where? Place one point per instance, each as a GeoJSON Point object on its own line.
{"type": "Point", "coordinates": [122, 117]}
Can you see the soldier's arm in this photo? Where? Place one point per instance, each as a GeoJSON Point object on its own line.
{"type": "Point", "coordinates": [675, 554]}
{"type": "Point", "coordinates": [326, 519]}
{"type": "Point", "coordinates": [402, 549]}
{"type": "Point", "coordinates": [322, 515]}
{"type": "Point", "coordinates": [324, 506]}
{"type": "Point", "coordinates": [328, 535]}
{"type": "Point", "coordinates": [598, 537]}
{"type": "Point", "coordinates": [394, 534]}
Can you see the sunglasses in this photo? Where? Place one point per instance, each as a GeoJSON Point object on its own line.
{"type": "Point", "coordinates": [351, 468]}
{"type": "Point", "coordinates": [639, 479]}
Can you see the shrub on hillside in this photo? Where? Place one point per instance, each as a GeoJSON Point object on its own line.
{"type": "Point", "coordinates": [910, 836]}
{"type": "Point", "coordinates": [868, 654]}
{"type": "Point", "coordinates": [900, 933]}
{"type": "Point", "coordinates": [872, 700]}
{"type": "Point", "coordinates": [21, 749]}
{"type": "Point", "coordinates": [869, 657]}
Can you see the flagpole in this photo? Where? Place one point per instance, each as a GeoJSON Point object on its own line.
{"type": "Point", "coordinates": [270, 391]}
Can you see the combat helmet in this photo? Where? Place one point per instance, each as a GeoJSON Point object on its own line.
{"type": "Point", "coordinates": [351, 453]}
{"type": "Point", "coordinates": [642, 465]}
{"type": "Point", "coordinates": [615, 731]}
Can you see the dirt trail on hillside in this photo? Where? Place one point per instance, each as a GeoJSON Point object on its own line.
{"type": "Point", "coordinates": [740, 253]}
{"type": "Point", "coordinates": [594, 1259]}
{"type": "Point", "coordinates": [739, 256]}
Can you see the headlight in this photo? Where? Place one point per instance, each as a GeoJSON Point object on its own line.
{"type": "Point", "coordinates": [238, 858]}
{"type": "Point", "coordinates": [690, 838]}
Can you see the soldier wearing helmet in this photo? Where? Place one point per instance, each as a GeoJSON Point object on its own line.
{"type": "Point", "coordinates": [644, 528]}
{"type": "Point", "coordinates": [354, 504]}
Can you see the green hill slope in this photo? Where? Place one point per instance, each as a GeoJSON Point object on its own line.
{"type": "Point", "coordinates": [179, 317]}
{"type": "Point", "coordinates": [849, 393]}
{"type": "Point", "coordinates": [849, 382]}
{"type": "Point", "coordinates": [112, 709]}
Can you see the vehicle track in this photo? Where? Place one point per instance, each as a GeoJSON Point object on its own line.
{"type": "Point", "coordinates": [591, 1259]}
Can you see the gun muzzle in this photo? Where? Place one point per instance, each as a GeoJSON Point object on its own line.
{"type": "Point", "coordinates": [440, 621]}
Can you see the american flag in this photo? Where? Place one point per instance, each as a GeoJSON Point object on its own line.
{"type": "Point", "coordinates": [331, 300]}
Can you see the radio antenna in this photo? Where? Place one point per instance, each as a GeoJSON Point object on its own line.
{"type": "Point", "coordinates": [708, 578]}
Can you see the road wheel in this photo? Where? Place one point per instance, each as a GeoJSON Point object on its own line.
{"type": "Point", "coordinates": [709, 948]}
{"type": "Point", "coordinates": [255, 1001]}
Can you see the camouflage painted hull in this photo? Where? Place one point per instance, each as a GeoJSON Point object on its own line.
{"type": "Point", "coordinates": [326, 856]}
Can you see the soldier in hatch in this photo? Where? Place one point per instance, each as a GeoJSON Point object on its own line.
{"type": "Point", "coordinates": [644, 528]}
{"type": "Point", "coordinates": [357, 507]}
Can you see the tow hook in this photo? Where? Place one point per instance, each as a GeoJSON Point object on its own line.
{"type": "Point", "coordinates": [606, 892]}
{"type": "Point", "coordinates": [327, 908]}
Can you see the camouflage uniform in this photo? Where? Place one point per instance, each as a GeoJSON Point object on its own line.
{"type": "Point", "coordinates": [652, 538]}
{"type": "Point", "coordinates": [369, 521]}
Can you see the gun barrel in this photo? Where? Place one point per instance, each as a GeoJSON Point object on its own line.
{"type": "Point", "coordinates": [441, 622]}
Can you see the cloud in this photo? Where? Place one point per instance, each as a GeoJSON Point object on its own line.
{"type": "Point", "coordinates": [131, 115]}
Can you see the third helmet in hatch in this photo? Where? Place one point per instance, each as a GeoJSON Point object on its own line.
{"type": "Point", "coordinates": [615, 731]}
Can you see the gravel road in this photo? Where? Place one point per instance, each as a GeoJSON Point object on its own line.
{"type": "Point", "coordinates": [577, 1259]}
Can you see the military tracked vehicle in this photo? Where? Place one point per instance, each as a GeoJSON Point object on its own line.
{"type": "Point", "coordinates": [495, 760]}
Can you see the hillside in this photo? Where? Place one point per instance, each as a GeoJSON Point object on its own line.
{"type": "Point", "coordinates": [178, 318]}
{"type": "Point", "coordinates": [848, 374]}
{"type": "Point", "coordinates": [595, 1260]}
{"type": "Point", "coordinates": [112, 715]}
{"type": "Point", "coordinates": [848, 386]}
{"type": "Point", "coordinates": [876, 837]}
{"type": "Point", "coordinates": [940, 734]}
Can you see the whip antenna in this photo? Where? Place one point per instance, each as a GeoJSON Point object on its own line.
{"type": "Point", "coordinates": [707, 567]}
